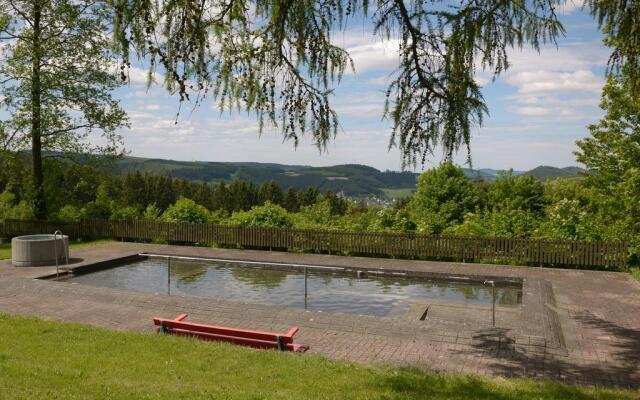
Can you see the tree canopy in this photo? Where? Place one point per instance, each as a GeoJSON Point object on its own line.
{"type": "Point", "coordinates": [612, 153]}
{"type": "Point", "coordinates": [443, 196]}
{"type": "Point", "coordinates": [277, 59]}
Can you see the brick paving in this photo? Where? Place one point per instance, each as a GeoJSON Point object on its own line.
{"type": "Point", "coordinates": [574, 326]}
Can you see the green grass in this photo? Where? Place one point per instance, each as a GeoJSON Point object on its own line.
{"type": "Point", "coordinates": [397, 193]}
{"type": "Point", "coordinates": [5, 251]}
{"type": "Point", "coordinates": [45, 359]}
{"type": "Point", "coordinates": [5, 248]}
{"type": "Point", "coordinates": [635, 272]}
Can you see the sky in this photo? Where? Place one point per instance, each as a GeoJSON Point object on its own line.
{"type": "Point", "coordinates": [538, 109]}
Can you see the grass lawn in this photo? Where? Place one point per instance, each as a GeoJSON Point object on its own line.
{"type": "Point", "coordinates": [397, 193]}
{"type": "Point", "coordinates": [5, 248]}
{"type": "Point", "coordinates": [635, 272]}
{"type": "Point", "coordinates": [44, 359]}
{"type": "Point", "coordinates": [5, 251]}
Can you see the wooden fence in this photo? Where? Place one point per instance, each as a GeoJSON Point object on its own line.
{"type": "Point", "coordinates": [527, 251]}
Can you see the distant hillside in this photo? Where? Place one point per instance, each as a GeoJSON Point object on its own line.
{"type": "Point", "coordinates": [487, 174]}
{"type": "Point", "coordinates": [545, 172]}
{"type": "Point", "coordinates": [353, 180]}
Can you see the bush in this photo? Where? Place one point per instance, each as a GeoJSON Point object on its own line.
{"type": "Point", "coordinates": [516, 193]}
{"type": "Point", "coordinates": [7, 202]}
{"type": "Point", "coordinates": [68, 213]}
{"type": "Point", "coordinates": [151, 213]}
{"type": "Point", "coordinates": [268, 215]}
{"type": "Point", "coordinates": [218, 217]}
{"type": "Point", "coordinates": [97, 210]}
{"type": "Point", "coordinates": [125, 214]}
{"type": "Point", "coordinates": [567, 219]}
{"type": "Point", "coordinates": [388, 219]}
{"type": "Point", "coordinates": [186, 210]}
{"type": "Point", "coordinates": [24, 210]}
{"type": "Point", "coordinates": [315, 216]}
{"type": "Point", "coordinates": [507, 223]}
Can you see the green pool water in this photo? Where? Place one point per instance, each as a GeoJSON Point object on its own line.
{"type": "Point", "coordinates": [326, 290]}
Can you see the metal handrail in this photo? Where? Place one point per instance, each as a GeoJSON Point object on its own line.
{"type": "Point", "coordinates": [55, 251]}
{"type": "Point", "coordinates": [493, 298]}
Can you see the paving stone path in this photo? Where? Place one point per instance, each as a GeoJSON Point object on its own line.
{"type": "Point", "coordinates": [575, 326]}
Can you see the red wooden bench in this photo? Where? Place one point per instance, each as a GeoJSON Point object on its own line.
{"type": "Point", "coordinates": [257, 339]}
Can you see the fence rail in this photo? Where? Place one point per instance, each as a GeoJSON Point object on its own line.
{"type": "Point", "coordinates": [529, 251]}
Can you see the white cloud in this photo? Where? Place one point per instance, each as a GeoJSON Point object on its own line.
{"type": "Point", "coordinates": [544, 99]}
{"type": "Point", "coordinates": [550, 113]}
{"type": "Point", "coordinates": [533, 111]}
{"type": "Point", "coordinates": [353, 38]}
{"type": "Point", "coordinates": [553, 81]}
{"type": "Point", "coordinates": [569, 7]}
{"type": "Point", "coordinates": [383, 80]}
{"type": "Point", "coordinates": [138, 93]}
{"type": "Point", "coordinates": [363, 110]}
{"type": "Point", "coordinates": [381, 55]}
{"type": "Point", "coordinates": [139, 76]}
{"type": "Point", "coordinates": [566, 57]}
{"type": "Point", "coordinates": [557, 83]}
{"type": "Point", "coordinates": [556, 70]}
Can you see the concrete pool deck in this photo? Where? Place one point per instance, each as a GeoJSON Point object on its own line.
{"type": "Point", "coordinates": [575, 326]}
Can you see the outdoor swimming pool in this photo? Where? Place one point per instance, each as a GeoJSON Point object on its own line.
{"type": "Point", "coordinates": [327, 289]}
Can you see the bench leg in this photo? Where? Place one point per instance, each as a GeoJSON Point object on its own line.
{"type": "Point", "coordinates": [280, 342]}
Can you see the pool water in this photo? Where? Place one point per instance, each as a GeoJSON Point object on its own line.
{"type": "Point", "coordinates": [326, 291]}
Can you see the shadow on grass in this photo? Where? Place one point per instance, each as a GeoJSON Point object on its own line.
{"type": "Point", "coordinates": [409, 383]}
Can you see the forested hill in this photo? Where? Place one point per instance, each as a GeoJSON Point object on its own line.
{"type": "Point", "coordinates": [545, 172]}
{"type": "Point", "coordinates": [352, 179]}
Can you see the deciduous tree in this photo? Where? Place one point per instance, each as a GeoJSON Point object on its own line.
{"type": "Point", "coordinates": [443, 196]}
{"type": "Point", "coordinates": [57, 74]}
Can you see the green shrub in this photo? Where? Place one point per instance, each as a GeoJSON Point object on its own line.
{"type": "Point", "coordinates": [151, 213]}
{"type": "Point", "coordinates": [23, 210]}
{"type": "Point", "coordinates": [97, 210]}
{"type": "Point", "coordinates": [125, 214]}
{"type": "Point", "coordinates": [218, 217]}
{"type": "Point", "coordinates": [186, 210]}
{"type": "Point", "coordinates": [389, 219]}
{"type": "Point", "coordinates": [515, 193]}
{"type": "Point", "coordinates": [315, 216]}
{"type": "Point", "coordinates": [68, 213]}
{"type": "Point", "coordinates": [507, 223]}
{"type": "Point", "coordinates": [268, 215]}
{"type": "Point", "coordinates": [567, 219]}
{"type": "Point", "coordinates": [7, 202]}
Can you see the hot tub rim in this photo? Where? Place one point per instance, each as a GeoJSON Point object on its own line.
{"type": "Point", "coordinates": [43, 236]}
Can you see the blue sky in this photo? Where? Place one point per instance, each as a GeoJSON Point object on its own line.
{"type": "Point", "coordinates": [538, 109]}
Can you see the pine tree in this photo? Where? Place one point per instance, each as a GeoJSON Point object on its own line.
{"type": "Point", "coordinates": [291, 201]}
{"type": "Point", "coordinates": [308, 197]}
{"type": "Point", "coordinates": [270, 192]}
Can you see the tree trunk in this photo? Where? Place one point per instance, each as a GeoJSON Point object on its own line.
{"type": "Point", "coordinates": [36, 123]}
